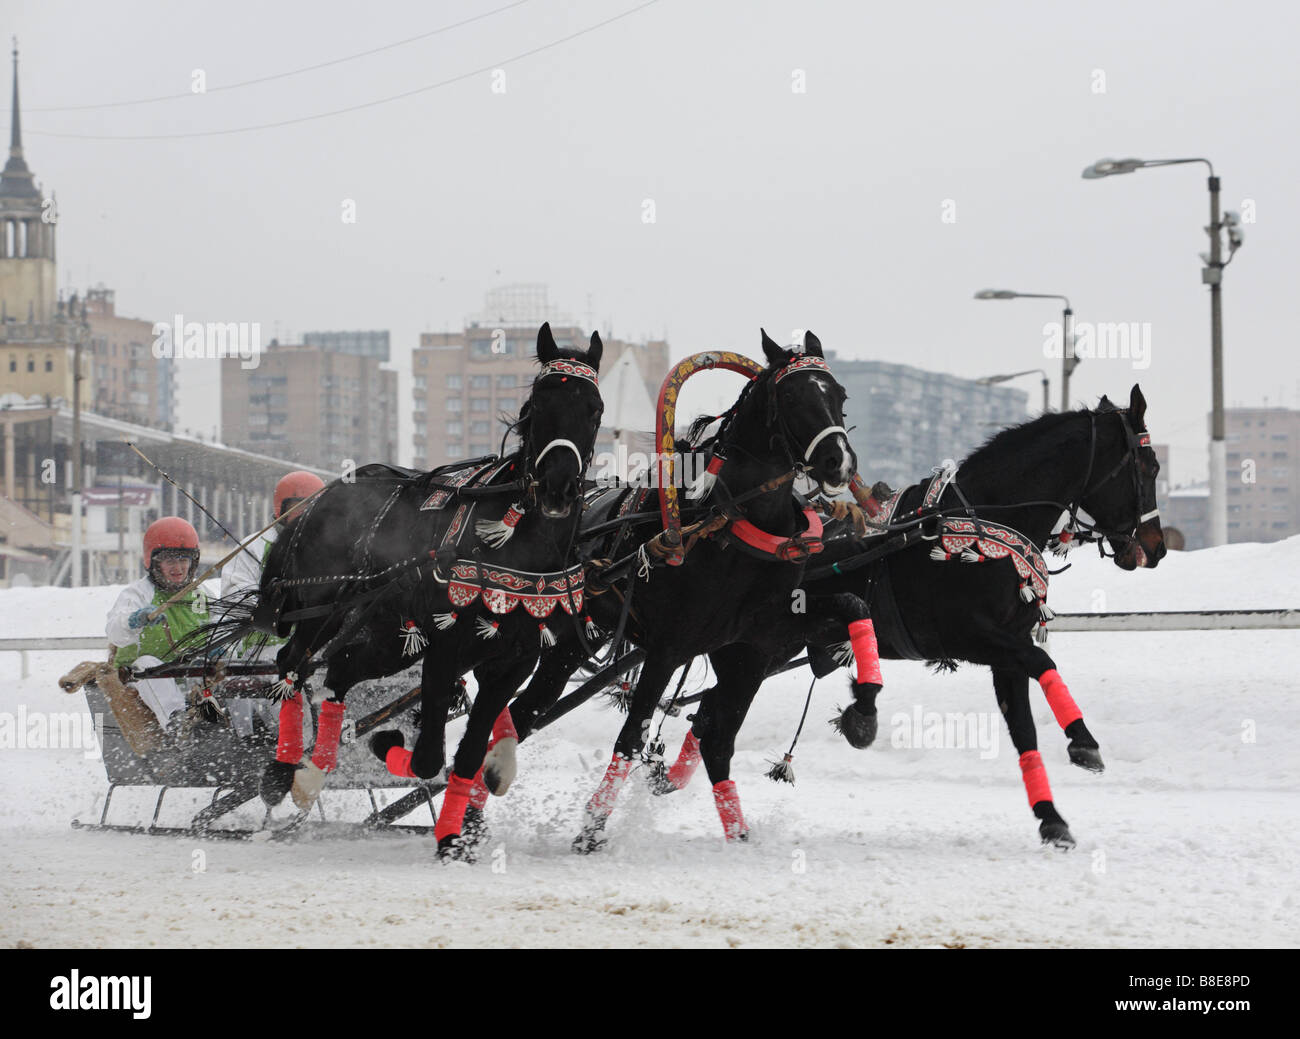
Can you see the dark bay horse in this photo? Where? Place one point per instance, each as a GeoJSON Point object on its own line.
{"type": "Point", "coordinates": [471, 567]}
{"type": "Point", "coordinates": [1062, 478]}
{"type": "Point", "coordinates": [732, 586]}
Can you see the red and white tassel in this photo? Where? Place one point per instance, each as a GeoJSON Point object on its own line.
{"type": "Point", "coordinates": [1045, 612]}
{"type": "Point", "coordinates": [285, 688]}
{"type": "Point", "coordinates": [969, 555]}
{"type": "Point", "coordinates": [1041, 634]}
{"type": "Point", "coordinates": [593, 630]}
{"type": "Point", "coordinates": [443, 621]}
{"type": "Point", "coordinates": [939, 555]}
{"type": "Point", "coordinates": [495, 533]}
{"type": "Point", "coordinates": [547, 636]}
{"type": "Point", "coordinates": [413, 640]}
{"type": "Point", "coordinates": [701, 487]}
{"type": "Point", "coordinates": [1027, 593]}
{"type": "Point", "coordinates": [487, 629]}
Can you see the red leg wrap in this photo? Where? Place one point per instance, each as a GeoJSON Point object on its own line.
{"type": "Point", "coordinates": [398, 762]}
{"type": "Point", "coordinates": [602, 801]}
{"type": "Point", "coordinates": [289, 746]}
{"type": "Point", "coordinates": [1035, 776]}
{"type": "Point", "coordinates": [1059, 698]}
{"type": "Point", "coordinates": [479, 795]}
{"type": "Point", "coordinates": [503, 728]}
{"type": "Point", "coordinates": [325, 756]}
{"type": "Point", "coordinates": [454, 802]}
{"type": "Point", "coordinates": [728, 802]}
{"type": "Point", "coordinates": [862, 637]}
{"type": "Point", "coordinates": [688, 760]}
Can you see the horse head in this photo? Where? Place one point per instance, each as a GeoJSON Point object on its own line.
{"type": "Point", "coordinates": [1123, 500]}
{"type": "Point", "coordinates": [560, 420]}
{"type": "Point", "coordinates": [806, 414]}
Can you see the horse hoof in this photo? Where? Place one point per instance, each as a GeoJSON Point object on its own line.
{"type": "Point", "coordinates": [500, 767]}
{"type": "Point", "coordinates": [658, 781]}
{"type": "Point", "coordinates": [382, 742]}
{"type": "Point", "coordinates": [277, 781]}
{"type": "Point", "coordinates": [589, 840]}
{"type": "Point", "coordinates": [1086, 757]}
{"type": "Point", "coordinates": [474, 829]}
{"type": "Point", "coordinates": [454, 848]}
{"type": "Point", "coordinates": [858, 728]}
{"type": "Point", "coordinates": [1056, 834]}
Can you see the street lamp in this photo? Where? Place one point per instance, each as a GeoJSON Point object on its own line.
{"type": "Point", "coordinates": [1211, 275]}
{"type": "Point", "coordinates": [989, 380]}
{"type": "Point", "coordinates": [1069, 361]}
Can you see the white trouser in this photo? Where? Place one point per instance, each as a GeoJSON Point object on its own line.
{"type": "Point", "coordinates": [163, 696]}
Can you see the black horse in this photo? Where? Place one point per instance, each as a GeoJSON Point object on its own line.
{"type": "Point", "coordinates": [733, 585]}
{"type": "Point", "coordinates": [397, 564]}
{"type": "Point", "coordinates": [1062, 479]}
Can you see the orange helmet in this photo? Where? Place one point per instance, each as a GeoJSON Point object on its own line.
{"type": "Point", "coordinates": [167, 535]}
{"type": "Point", "coordinates": [298, 484]}
{"type": "Point", "coordinates": [169, 532]}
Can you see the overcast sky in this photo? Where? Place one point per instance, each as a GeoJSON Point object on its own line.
{"type": "Point", "coordinates": [822, 209]}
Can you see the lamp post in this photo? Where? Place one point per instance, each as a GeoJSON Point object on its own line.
{"type": "Point", "coordinates": [1068, 361]}
{"type": "Point", "coordinates": [1211, 275]}
{"type": "Point", "coordinates": [989, 380]}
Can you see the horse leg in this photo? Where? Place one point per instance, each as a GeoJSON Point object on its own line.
{"type": "Point", "coordinates": [740, 672]}
{"type": "Point", "coordinates": [859, 721]}
{"type": "Point", "coordinates": [631, 738]}
{"type": "Point", "coordinates": [278, 777]}
{"type": "Point", "coordinates": [665, 780]}
{"type": "Point", "coordinates": [1083, 748]}
{"type": "Point", "coordinates": [489, 716]}
{"type": "Point", "coordinates": [1012, 688]}
{"type": "Point", "coordinates": [437, 691]}
{"type": "Point", "coordinates": [343, 673]}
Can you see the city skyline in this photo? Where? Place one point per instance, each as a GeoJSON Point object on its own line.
{"type": "Point", "coordinates": [797, 176]}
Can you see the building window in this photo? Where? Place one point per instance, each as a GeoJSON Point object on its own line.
{"type": "Point", "coordinates": [455, 429]}
{"type": "Point", "coordinates": [421, 382]}
{"type": "Point", "coordinates": [454, 381]}
{"type": "Point", "coordinates": [507, 403]}
{"type": "Point", "coordinates": [480, 382]}
{"type": "Point", "coordinates": [455, 451]}
{"type": "Point", "coordinates": [480, 429]}
{"type": "Point", "coordinates": [480, 404]}
{"type": "Point", "coordinates": [455, 404]}
{"type": "Point", "coordinates": [13, 363]}
{"type": "Point", "coordinates": [507, 382]}
{"type": "Point", "coordinates": [31, 363]}
{"type": "Point", "coordinates": [480, 449]}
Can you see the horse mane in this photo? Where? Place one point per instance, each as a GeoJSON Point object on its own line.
{"type": "Point", "coordinates": [691, 443]}
{"type": "Point", "coordinates": [1022, 447]}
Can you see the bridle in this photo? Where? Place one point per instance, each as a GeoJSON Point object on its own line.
{"type": "Point", "coordinates": [564, 368]}
{"type": "Point", "coordinates": [776, 417]}
{"type": "Point", "coordinates": [1077, 522]}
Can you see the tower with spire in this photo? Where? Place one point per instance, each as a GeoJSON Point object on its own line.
{"type": "Point", "coordinates": [28, 278]}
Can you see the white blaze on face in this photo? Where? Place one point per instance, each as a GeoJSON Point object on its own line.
{"type": "Point", "coordinates": [845, 471]}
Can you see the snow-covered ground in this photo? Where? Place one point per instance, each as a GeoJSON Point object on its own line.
{"type": "Point", "coordinates": [1188, 838]}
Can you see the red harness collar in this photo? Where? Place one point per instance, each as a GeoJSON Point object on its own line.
{"type": "Point", "coordinates": [795, 549]}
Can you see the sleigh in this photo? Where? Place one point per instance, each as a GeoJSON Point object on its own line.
{"type": "Point", "coordinates": [212, 758]}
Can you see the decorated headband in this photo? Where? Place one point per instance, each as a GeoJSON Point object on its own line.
{"type": "Point", "coordinates": [567, 367]}
{"type": "Point", "coordinates": [801, 363]}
